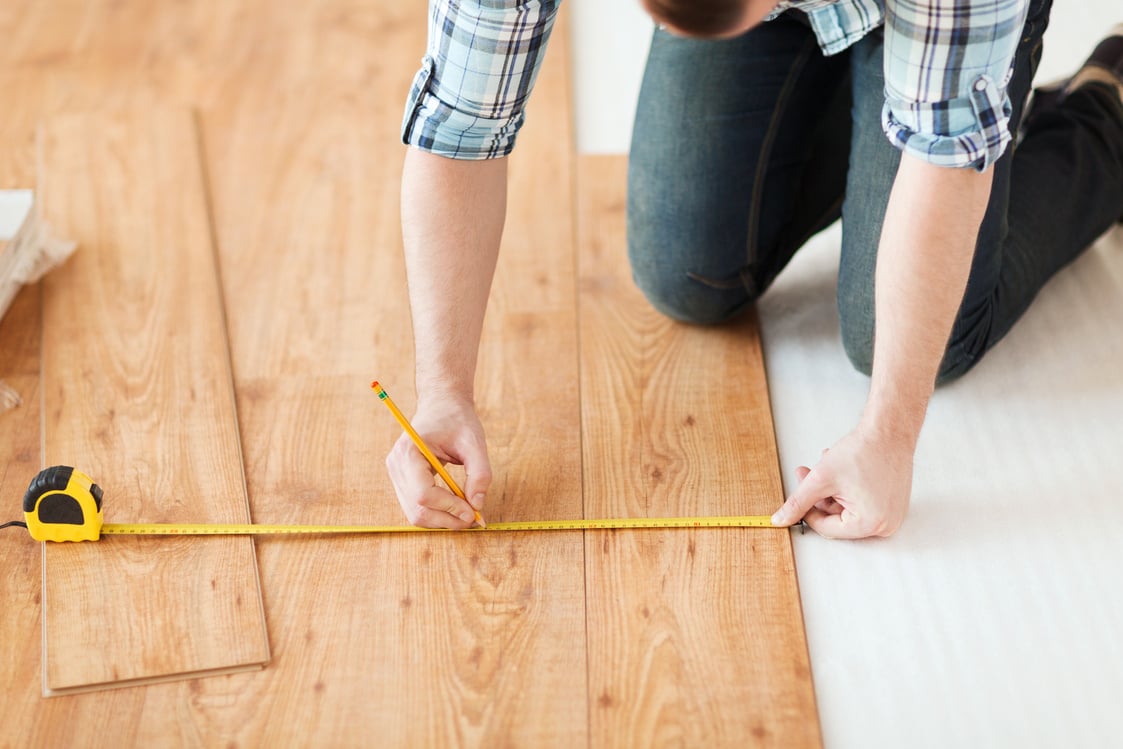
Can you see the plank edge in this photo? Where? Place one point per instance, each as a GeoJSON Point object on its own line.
{"type": "Point", "coordinates": [147, 680]}
{"type": "Point", "coordinates": [789, 547]}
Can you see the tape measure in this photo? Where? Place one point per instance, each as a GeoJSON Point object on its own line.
{"type": "Point", "coordinates": [64, 504]}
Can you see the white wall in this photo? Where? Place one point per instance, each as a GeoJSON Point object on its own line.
{"type": "Point", "coordinates": [610, 41]}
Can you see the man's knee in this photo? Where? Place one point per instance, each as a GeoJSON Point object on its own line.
{"type": "Point", "coordinates": [682, 296]}
{"type": "Point", "coordinates": [855, 316]}
{"type": "Point", "coordinates": [857, 341]}
{"type": "Point", "coordinates": [674, 250]}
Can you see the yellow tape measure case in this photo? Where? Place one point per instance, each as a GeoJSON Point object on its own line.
{"type": "Point", "coordinates": [63, 504]}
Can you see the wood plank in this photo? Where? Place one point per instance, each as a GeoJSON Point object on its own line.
{"type": "Point", "coordinates": [472, 641]}
{"type": "Point", "coordinates": [137, 393]}
{"type": "Point", "coordinates": [695, 637]}
{"type": "Point", "coordinates": [19, 462]}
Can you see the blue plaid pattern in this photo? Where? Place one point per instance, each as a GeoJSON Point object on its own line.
{"type": "Point", "coordinates": [469, 98]}
{"type": "Point", "coordinates": [947, 63]}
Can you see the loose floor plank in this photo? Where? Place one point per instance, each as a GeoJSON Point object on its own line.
{"type": "Point", "coordinates": [695, 637]}
{"type": "Point", "coordinates": [137, 393]}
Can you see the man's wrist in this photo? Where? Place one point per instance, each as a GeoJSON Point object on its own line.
{"type": "Point", "coordinates": [436, 390]}
{"type": "Point", "coordinates": [894, 417]}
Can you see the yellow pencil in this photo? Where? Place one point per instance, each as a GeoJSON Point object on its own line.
{"type": "Point", "coordinates": [413, 435]}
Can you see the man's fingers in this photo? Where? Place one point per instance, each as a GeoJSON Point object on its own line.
{"type": "Point", "coordinates": [835, 525]}
{"type": "Point", "coordinates": [427, 518]}
{"type": "Point", "coordinates": [801, 472]}
{"type": "Point", "coordinates": [812, 488]}
{"type": "Point", "coordinates": [424, 503]}
{"type": "Point", "coordinates": [438, 500]}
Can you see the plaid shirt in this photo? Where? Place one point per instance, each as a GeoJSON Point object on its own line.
{"type": "Point", "coordinates": [947, 64]}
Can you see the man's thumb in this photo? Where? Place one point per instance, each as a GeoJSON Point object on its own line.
{"type": "Point", "coordinates": [810, 490]}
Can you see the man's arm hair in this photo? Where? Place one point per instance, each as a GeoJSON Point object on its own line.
{"type": "Point", "coordinates": [452, 221]}
{"type": "Point", "coordinates": [924, 257]}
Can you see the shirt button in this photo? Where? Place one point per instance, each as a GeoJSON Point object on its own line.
{"type": "Point", "coordinates": [980, 85]}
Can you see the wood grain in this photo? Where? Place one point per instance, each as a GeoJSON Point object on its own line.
{"type": "Point", "coordinates": [19, 462]}
{"type": "Point", "coordinates": [137, 393]}
{"type": "Point", "coordinates": [455, 641]}
{"type": "Point", "coordinates": [419, 642]}
{"type": "Point", "coordinates": [695, 637]}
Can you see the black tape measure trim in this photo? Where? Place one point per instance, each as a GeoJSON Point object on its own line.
{"type": "Point", "coordinates": [53, 479]}
{"type": "Point", "coordinates": [13, 523]}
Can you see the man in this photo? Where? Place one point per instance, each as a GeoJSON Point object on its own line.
{"type": "Point", "coordinates": [757, 126]}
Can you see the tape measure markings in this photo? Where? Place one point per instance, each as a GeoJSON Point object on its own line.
{"type": "Point", "coordinates": [250, 529]}
{"type": "Point", "coordinates": [64, 504]}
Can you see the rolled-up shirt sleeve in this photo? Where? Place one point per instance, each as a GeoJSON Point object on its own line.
{"type": "Point", "coordinates": [468, 100]}
{"type": "Point", "coordinates": [947, 66]}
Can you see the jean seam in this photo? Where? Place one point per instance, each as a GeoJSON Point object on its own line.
{"type": "Point", "coordinates": [744, 278]}
{"type": "Point", "coordinates": [766, 146]}
{"type": "Point", "coordinates": [721, 284]}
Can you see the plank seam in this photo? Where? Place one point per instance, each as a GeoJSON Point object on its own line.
{"type": "Point", "coordinates": [212, 231]}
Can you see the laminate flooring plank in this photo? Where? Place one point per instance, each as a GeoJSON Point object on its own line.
{"type": "Point", "coordinates": [206, 51]}
{"type": "Point", "coordinates": [19, 461]}
{"type": "Point", "coordinates": [695, 636]}
{"type": "Point", "coordinates": [137, 392]}
{"type": "Point", "coordinates": [434, 640]}
{"type": "Point", "coordinates": [20, 557]}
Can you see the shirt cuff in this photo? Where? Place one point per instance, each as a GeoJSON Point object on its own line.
{"type": "Point", "coordinates": [970, 131]}
{"type": "Point", "coordinates": [432, 125]}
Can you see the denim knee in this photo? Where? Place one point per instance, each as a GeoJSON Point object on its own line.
{"type": "Point", "coordinates": [857, 337]}
{"type": "Point", "coordinates": [682, 295]}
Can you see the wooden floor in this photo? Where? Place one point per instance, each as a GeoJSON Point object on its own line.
{"type": "Point", "coordinates": [593, 404]}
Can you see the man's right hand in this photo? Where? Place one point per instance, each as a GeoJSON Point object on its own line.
{"type": "Point", "coordinates": [452, 221]}
{"type": "Point", "coordinates": [452, 430]}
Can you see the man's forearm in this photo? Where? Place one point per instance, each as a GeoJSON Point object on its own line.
{"type": "Point", "coordinates": [927, 243]}
{"type": "Point", "coordinates": [452, 222]}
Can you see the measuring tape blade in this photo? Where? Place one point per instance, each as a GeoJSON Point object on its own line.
{"type": "Point", "coordinates": [250, 529]}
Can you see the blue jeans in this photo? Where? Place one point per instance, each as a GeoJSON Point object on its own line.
{"type": "Point", "coordinates": [745, 148]}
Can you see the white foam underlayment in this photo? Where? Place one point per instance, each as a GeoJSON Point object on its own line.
{"type": "Point", "coordinates": [994, 617]}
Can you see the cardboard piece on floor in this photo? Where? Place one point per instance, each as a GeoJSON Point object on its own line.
{"type": "Point", "coordinates": [27, 251]}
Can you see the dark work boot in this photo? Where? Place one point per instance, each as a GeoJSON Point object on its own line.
{"type": "Point", "coordinates": [1104, 65]}
{"type": "Point", "coordinates": [1103, 68]}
